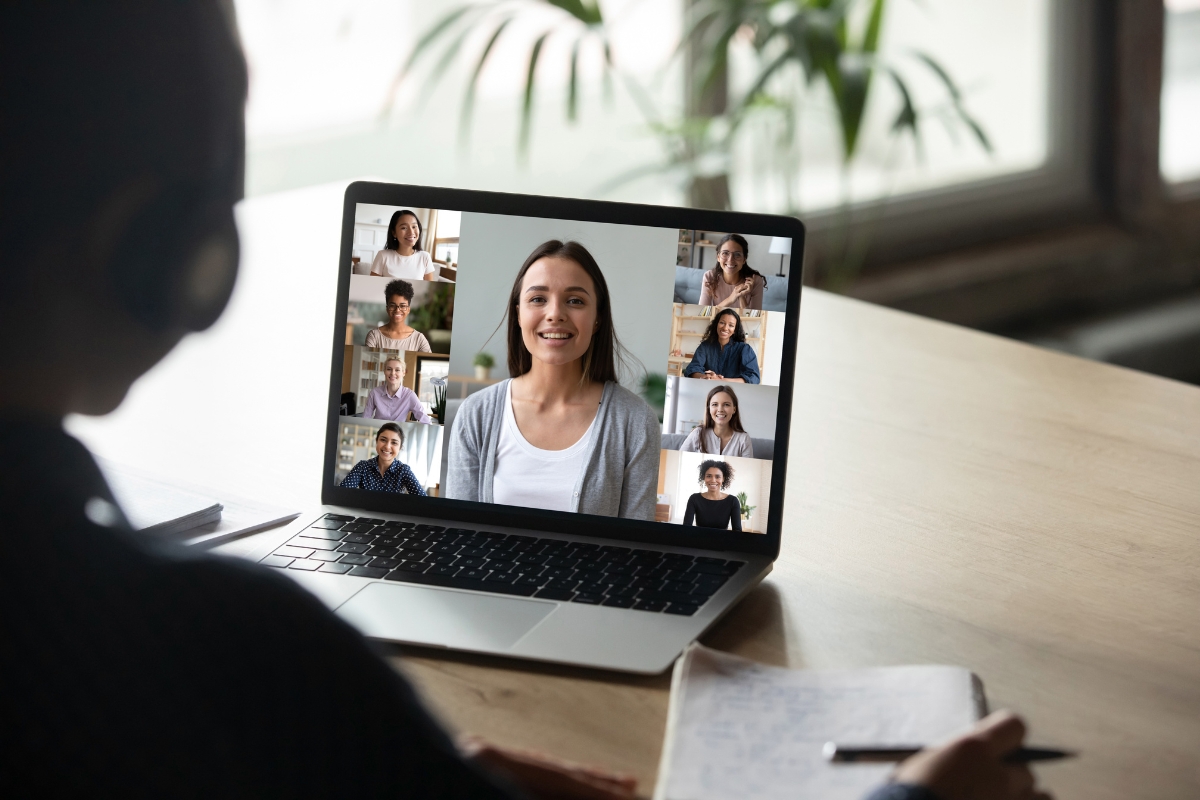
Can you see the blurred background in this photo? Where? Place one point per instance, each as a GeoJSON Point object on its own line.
{"type": "Point", "coordinates": [1026, 167]}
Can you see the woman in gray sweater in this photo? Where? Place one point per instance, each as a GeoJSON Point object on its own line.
{"type": "Point", "coordinates": [561, 434]}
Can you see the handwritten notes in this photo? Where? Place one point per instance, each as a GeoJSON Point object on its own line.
{"type": "Point", "coordinates": [738, 729]}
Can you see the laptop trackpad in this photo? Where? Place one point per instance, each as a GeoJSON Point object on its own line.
{"type": "Point", "coordinates": [424, 615]}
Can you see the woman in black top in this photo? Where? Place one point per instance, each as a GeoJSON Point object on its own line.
{"type": "Point", "coordinates": [713, 508]}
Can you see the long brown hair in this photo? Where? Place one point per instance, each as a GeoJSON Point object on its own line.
{"type": "Point", "coordinates": [710, 333]}
{"type": "Point", "coordinates": [604, 352]}
{"type": "Point", "coordinates": [713, 275]}
{"type": "Point", "coordinates": [735, 423]}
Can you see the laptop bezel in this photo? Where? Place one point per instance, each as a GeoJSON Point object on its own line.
{"type": "Point", "coordinates": [633, 531]}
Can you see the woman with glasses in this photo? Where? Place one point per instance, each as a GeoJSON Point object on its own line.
{"type": "Point", "coordinates": [402, 256]}
{"type": "Point", "coordinates": [732, 283]}
{"type": "Point", "coordinates": [395, 335]}
{"type": "Point", "coordinates": [723, 354]}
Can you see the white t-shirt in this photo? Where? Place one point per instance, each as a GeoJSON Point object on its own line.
{"type": "Point", "coordinates": [531, 477]}
{"type": "Point", "coordinates": [409, 268]}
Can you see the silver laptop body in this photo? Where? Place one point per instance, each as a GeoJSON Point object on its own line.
{"type": "Point", "coordinates": [574, 588]}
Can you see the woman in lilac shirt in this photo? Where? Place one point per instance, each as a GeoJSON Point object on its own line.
{"type": "Point", "coordinates": [392, 400]}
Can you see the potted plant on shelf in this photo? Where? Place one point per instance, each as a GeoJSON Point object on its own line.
{"type": "Point", "coordinates": [483, 365]}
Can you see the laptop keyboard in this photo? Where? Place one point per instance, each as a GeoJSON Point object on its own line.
{"type": "Point", "coordinates": [578, 572]}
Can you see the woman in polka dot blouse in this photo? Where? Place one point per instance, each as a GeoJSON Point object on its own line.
{"type": "Point", "coordinates": [386, 472]}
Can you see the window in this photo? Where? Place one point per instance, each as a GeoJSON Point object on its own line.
{"type": "Point", "coordinates": [1179, 155]}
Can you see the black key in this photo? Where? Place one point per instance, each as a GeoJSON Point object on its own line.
{"type": "Point", "coordinates": [441, 558]}
{"type": "Point", "coordinates": [475, 573]}
{"type": "Point", "coordinates": [328, 524]}
{"type": "Point", "coordinates": [397, 523]}
{"type": "Point", "coordinates": [445, 548]}
{"type": "Point", "coordinates": [383, 552]}
{"type": "Point", "coordinates": [314, 544]}
{"type": "Point", "coordinates": [624, 591]}
{"type": "Point", "coordinates": [412, 567]}
{"type": "Point", "coordinates": [359, 538]}
{"type": "Point", "coordinates": [470, 562]}
{"type": "Point", "coordinates": [619, 602]}
{"type": "Point", "coordinates": [354, 548]}
{"type": "Point", "coordinates": [306, 565]}
{"type": "Point", "coordinates": [586, 547]}
{"type": "Point", "coordinates": [357, 527]}
{"type": "Point", "coordinates": [656, 574]}
{"type": "Point", "coordinates": [562, 583]}
{"type": "Point", "coordinates": [277, 561]}
{"type": "Point", "coordinates": [414, 546]}
{"type": "Point", "coordinates": [336, 569]}
{"type": "Point", "coordinates": [504, 566]}
{"type": "Point", "coordinates": [501, 577]}
{"type": "Point", "coordinates": [385, 563]}
{"type": "Point", "coordinates": [682, 609]}
{"type": "Point", "coordinates": [442, 569]}
{"type": "Point", "coordinates": [523, 547]}
{"type": "Point", "coordinates": [474, 552]}
{"type": "Point", "coordinates": [621, 569]}
{"type": "Point", "coordinates": [643, 553]}
{"type": "Point", "coordinates": [590, 566]}
{"type": "Point", "coordinates": [355, 560]}
{"type": "Point", "coordinates": [650, 605]}
{"type": "Point", "coordinates": [593, 587]}
{"type": "Point", "coordinates": [553, 546]}
{"type": "Point", "coordinates": [368, 572]}
{"type": "Point", "coordinates": [704, 568]}
{"type": "Point", "coordinates": [460, 531]}
{"type": "Point", "coordinates": [709, 560]}
{"type": "Point", "coordinates": [710, 582]}
{"type": "Point", "coordinates": [682, 577]}
{"type": "Point", "coordinates": [610, 548]}
{"type": "Point", "coordinates": [619, 580]}
{"type": "Point", "coordinates": [525, 539]}
{"type": "Point", "coordinates": [531, 558]}
{"type": "Point", "coordinates": [558, 572]}
{"type": "Point", "coordinates": [339, 517]}
{"type": "Point", "coordinates": [529, 580]}
{"type": "Point", "coordinates": [677, 586]}
{"type": "Point", "coordinates": [588, 598]}
{"type": "Point", "coordinates": [317, 533]}
{"type": "Point", "coordinates": [555, 594]}
{"type": "Point", "coordinates": [424, 527]}
{"type": "Point", "coordinates": [734, 566]}
{"type": "Point", "coordinates": [459, 582]}
{"type": "Point", "coordinates": [445, 537]}
{"type": "Point", "coordinates": [321, 555]}
{"type": "Point", "coordinates": [293, 552]}
{"type": "Point", "coordinates": [368, 521]}
{"type": "Point", "coordinates": [681, 557]}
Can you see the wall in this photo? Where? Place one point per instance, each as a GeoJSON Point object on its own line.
{"type": "Point", "coordinates": [757, 406]}
{"type": "Point", "coordinates": [638, 265]}
{"type": "Point", "coordinates": [773, 347]}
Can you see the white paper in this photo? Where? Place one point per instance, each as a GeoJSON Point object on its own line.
{"type": "Point", "coordinates": [153, 506]}
{"type": "Point", "coordinates": [738, 729]}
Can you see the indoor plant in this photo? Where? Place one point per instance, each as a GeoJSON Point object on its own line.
{"type": "Point", "coordinates": [483, 365]}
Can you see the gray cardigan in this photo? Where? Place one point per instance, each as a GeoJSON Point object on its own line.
{"type": "Point", "coordinates": [620, 474]}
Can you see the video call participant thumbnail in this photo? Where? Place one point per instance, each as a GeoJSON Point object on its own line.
{"type": "Point", "coordinates": [385, 472]}
{"type": "Point", "coordinates": [402, 256]}
{"type": "Point", "coordinates": [397, 334]}
{"type": "Point", "coordinates": [712, 508]}
{"type": "Point", "coordinates": [723, 354]}
{"type": "Point", "coordinates": [722, 432]}
{"type": "Point", "coordinates": [561, 433]}
{"type": "Point", "coordinates": [394, 401]}
{"type": "Point", "coordinates": [732, 283]}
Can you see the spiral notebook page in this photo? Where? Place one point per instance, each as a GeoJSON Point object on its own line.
{"type": "Point", "coordinates": [741, 729]}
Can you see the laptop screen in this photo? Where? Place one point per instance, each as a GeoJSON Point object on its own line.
{"type": "Point", "coordinates": [584, 367]}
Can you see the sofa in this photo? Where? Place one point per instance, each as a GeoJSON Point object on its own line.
{"type": "Point", "coordinates": [763, 448]}
{"type": "Point", "coordinates": [687, 288]}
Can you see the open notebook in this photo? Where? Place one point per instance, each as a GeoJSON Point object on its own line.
{"type": "Point", "coordinates": [741, 729]}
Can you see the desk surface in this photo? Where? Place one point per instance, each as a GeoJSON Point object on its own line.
{"type": "Point", "coordinates": [952, 498]}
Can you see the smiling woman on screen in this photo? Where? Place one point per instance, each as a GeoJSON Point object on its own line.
{"type": "Point", "coordinates": [722, 432]}
{"type": "Point", "coordinates": [402, 256]}
{"type": "Point", "coordinates": [385, 472]}
{"type": "Point", "coordinates": [723, 354]}
{"type": "Point", "coordinates": [712, 508]}
{"type": "Point", "coordinates": [561, 434]}
{"type": "Point", "coordinates": [397, 334]}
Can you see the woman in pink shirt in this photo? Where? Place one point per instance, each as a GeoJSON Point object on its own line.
{"type": "Point", "coordinates": [733, 283]}
{"type": "Point", "coordinates": [392, 401]}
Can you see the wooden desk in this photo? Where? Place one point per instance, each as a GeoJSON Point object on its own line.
{"type": "Point", "coordinates": [952, 497]}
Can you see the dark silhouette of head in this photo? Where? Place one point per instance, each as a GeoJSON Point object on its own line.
{"type": "Point", "coordinates": [122, 145]}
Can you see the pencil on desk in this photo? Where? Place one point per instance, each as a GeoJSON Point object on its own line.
{"type": "Point", "coordinates": [856, 754]}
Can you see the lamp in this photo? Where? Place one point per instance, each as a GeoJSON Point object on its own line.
{"type": "Point", "coordinates": [783, 247]}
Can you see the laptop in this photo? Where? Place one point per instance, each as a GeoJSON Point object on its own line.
{"type": "Point", "coordinates": [473, 500]}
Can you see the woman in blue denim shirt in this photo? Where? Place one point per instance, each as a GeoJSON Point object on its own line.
{"type": "Point", "coordinates": [723, 354]}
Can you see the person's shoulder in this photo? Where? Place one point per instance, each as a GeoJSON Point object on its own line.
{"type": "Point", "coordinates": [626, 404]}
{"type": "Point", "coordinates": [484, 401]}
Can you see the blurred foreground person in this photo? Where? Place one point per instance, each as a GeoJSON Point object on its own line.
{"type": "Point", "coordinates": [129, 668]}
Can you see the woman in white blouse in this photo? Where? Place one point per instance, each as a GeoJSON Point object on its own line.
{"type": "Point", "coordinates": [402, 256]}
{"type": "Point", "coordinates": [722, 432]}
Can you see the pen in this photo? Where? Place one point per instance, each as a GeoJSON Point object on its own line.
{"type": "Point", "coordinates": [851, 754]}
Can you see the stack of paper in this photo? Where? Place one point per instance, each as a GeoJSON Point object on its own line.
{"type": "Point", "coordinates": [745, 730]}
